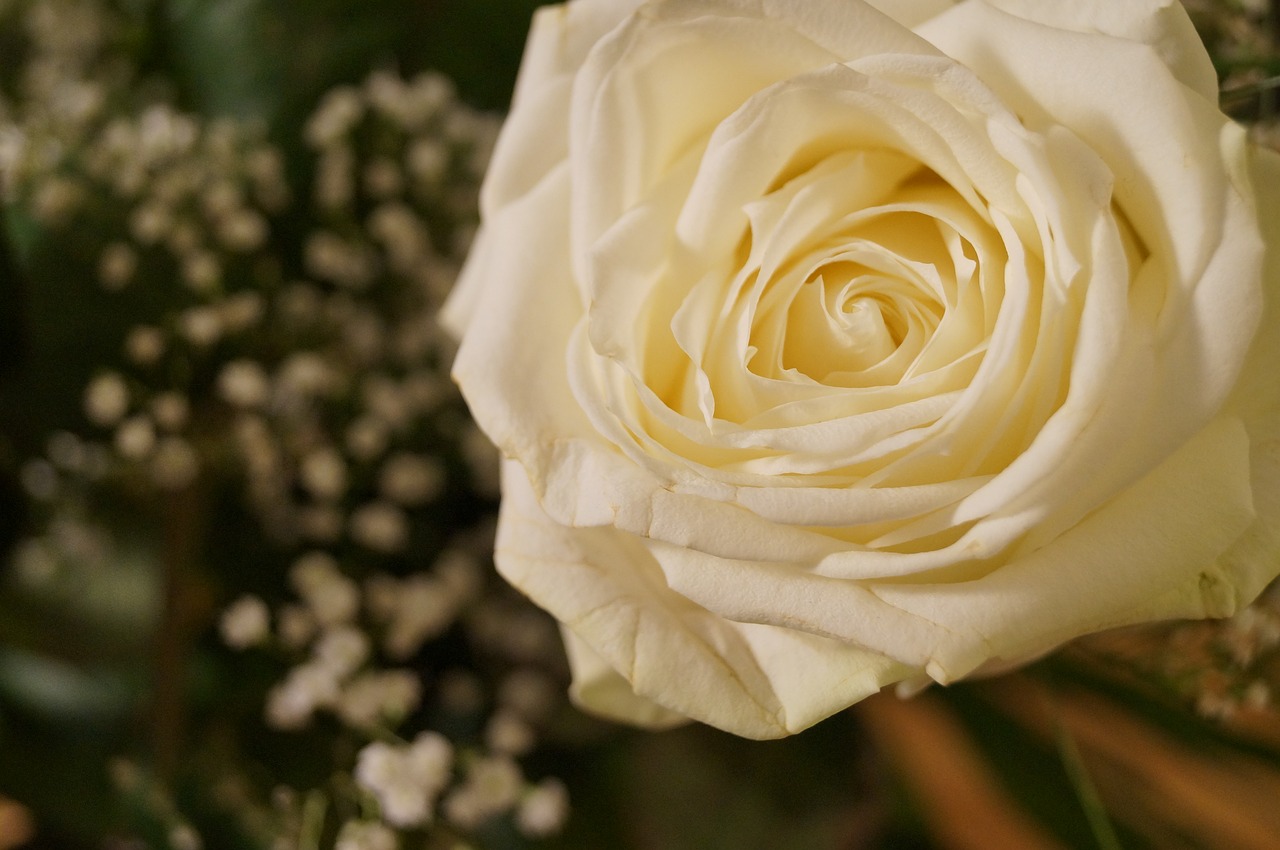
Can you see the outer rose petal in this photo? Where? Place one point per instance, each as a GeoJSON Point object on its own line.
{"type": "Point", "coordinates": [535, 137]}
{"type": "Point", "coordinates": [756, 681]}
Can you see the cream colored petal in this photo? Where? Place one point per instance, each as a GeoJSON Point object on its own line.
{"type": "Point", "coordinates": [510, 365]}
{"type": "Point", "coordinates": [1123, 101]}
{"type": "Point", "coordinates": [755, 681]}
{"type": "Point", "coordinates": [626, 128]}
{"type": "Point", "coordinates": [912, 13]}
{"type": "Point", "coordinates": [1152, 553]}
{"type": "Point", "coordinates": [600, 689]}
{"type": "Point", "coordinates": [1163, 24]}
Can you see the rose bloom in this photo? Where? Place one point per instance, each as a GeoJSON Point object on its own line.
{"type": "Point", "coordinates": [836, 344]}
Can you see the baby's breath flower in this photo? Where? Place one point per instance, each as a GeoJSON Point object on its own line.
{"type": "Point", "coordinates": [117, 265]}
{"type": "Point", "coordinates": [221, 199]}
{"type": "Point", "coordinates": [380, 526]}
{"type": "Point", "coordinates": [305, 374]}
{"type": "Point", "coordinates": [423, 609]}
{"type": "Point", "coordinates": [150, 223]}
{"type": "Point", "coordinates": [106, 399]}
{"type": "Point", "coordinates": [183, 836]}
{"type": "Point", "coordinates": [335, 184]}
{"type": "Point", "coordinates": [543, 810]}
{"type": "Point", "coordinates": [427, 160]}
{"type": "Point", "coordinates": [410, 479]}
{"type": "Point", "coordinates": [367, 437]}
{"type": "Point", "coordinates": [377, 695]}
{"type": "Point", "coordinates": [201, 271]}
{"type": "Point", "coordinates": [330, 257]}
{"type": "Point", "coordinates": [366, 835]}
{"type": "Point", "coordinates": [135, 437]}
{"type": "Point", "coordinates": [202, 326]}
{"type": "Point", "coordinates": [492, 786]}
{"type": "Point", "coordinates": [245, 622]}
{"type": "Point", "coordinates": [508, 733]}
{"type": "Point", "coordinates": [337, 113]}
{"type": "Point", "coordinates": [144, 344]}
{"type": "Point", "coordinates": [324, 473]}
{"type": "Point", "coordinates": [406, 780]}
{"type": "Point", "coordinates": [243, 383]}
{"type": "Point", "coordinates": [306, 688]}
{"type": "Point", "coordinates": [170, 410]}
{"type": "Point", "coordinates": [331, 597]}
{"type": "Point", "coordinates": [341, 650]}
{"type": "Point", "coordinates": [243, 231]}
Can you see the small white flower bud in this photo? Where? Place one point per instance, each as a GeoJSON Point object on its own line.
{"type": "Point", "coordinates": [106, 399]}
{"type": "Point", "coordinates": [245, 622]}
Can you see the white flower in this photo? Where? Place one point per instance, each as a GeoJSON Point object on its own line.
{"type": "Point", "coordinates": [245, 622]}
{"type": "Point", "coordinates": [341, 650]}
{"type": "Point", "coordinates": [543, 810]}
{"type": "Point", "coordinates": [332, 598]}
{"type": "Point", "coordinates": [337, 113]}
{"type": "Point", "coordinates": [509, 734]}
{"type": "Point", "coordinates": [365, 835]}
{"type": "Point", "coordinates": [201, 271]}
{"type": "Point", "coordinates": [150, 223]}
{"type": "Point", "coordinates": [324, 473]}
{"type": "Point", "coordinates": [170, 410]}
{"type": "Point", "coordinates": [144, 344]}
{"type": "Point", "coordinates": [106, 399]}
{"type": "Point", "coordinates": [378, 695]}
{"type": "Point", "coordinates": [305, 374]}
{"type": "Point", "coordinates": [380, 526]}
{"type": "Point", "coordinates": [424, 608]}
{"type": "Point", "coordinates": [202, 326]}
{"type": "Point", "coordinates": [427, 160]}
{"type": "Point", "coordinates": [367, 437]}
{"type": "Point", "coordinates": [410, 479]}
{"type": "Point", "coordinates": [243, 383]}
{"type": "Point", "coordinates": [840, 344]}
{"type": "Point", "coordinates": [492, 786]}
{"type": "Point", "coordinates": [135, 437]}
{"type": "Point", "coordinates": [243, 230]}
{"type": "Point", "coordinates": [406, 780]}
{"type": "Point", "coordinates": [306, 688]}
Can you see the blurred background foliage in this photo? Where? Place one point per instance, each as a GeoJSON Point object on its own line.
{"type": "Point", "coordinates": [125, 722]}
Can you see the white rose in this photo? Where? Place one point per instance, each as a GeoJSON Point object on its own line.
{"type": "Point", "coordinates": [832, 347]}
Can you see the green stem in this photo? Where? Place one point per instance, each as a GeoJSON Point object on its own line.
{"type": "Point", "coordinates": [1086, 792]}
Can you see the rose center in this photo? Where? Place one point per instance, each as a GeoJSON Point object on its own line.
{"type": "Point", "coordinates": [852, 314]}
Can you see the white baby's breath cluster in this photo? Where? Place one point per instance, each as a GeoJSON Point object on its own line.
{"type": "Point", "coordinates": [303, 366]}
{"type": "Point", "coordinates": [349, 640]}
